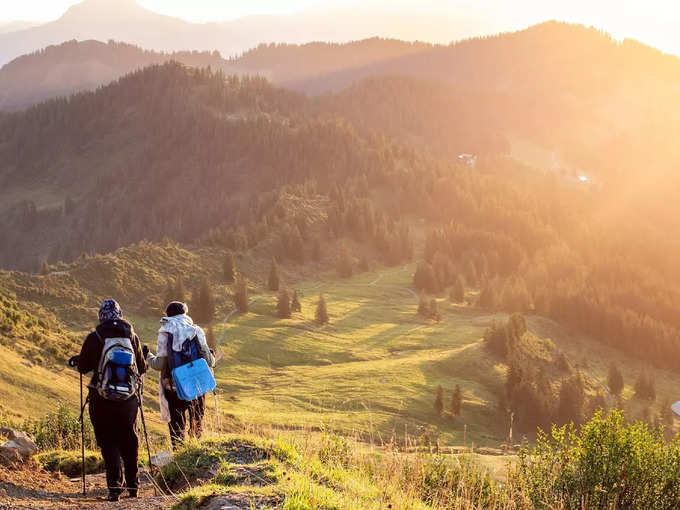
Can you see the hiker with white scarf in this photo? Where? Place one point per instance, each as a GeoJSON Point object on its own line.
{"type": "Point", "coordinates": [180, 327]}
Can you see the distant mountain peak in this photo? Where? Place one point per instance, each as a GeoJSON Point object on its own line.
{"type": "Point", "coordinates": [101, 8]}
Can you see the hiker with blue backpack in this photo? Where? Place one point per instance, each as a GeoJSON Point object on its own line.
{"type": "Point", "coordinates": [185, 363]}
{"type": "Point", "coordinates": [113, 354]}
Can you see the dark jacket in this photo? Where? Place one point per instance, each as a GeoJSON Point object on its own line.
{"type": "Point", "coordinates": [92, 348]}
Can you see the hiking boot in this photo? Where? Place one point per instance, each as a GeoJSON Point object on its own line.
{"type": "Point", "coordinates": [132, 493]}
{"type": "Point", "coordinates": [113, 496]}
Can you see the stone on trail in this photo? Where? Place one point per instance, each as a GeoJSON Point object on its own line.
{"type": "Point", "coordinates": [161, 459]}
{"type": "Point", "coordinates": [19, 441]}
{"type": "Point", "coordinates": [10, 457]}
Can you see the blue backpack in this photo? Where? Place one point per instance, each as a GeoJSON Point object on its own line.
{"type": "Point", "coordinates": [191, 375]}
{"type": "Point", "coordinates": [117, 375]}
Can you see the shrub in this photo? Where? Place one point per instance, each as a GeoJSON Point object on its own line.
{"type": "Point", "coordinates": [607, 463]}
{"type": "Point", "coordinates": [70, 462]}
{"type": "Point", "coordinates": [60, 430]}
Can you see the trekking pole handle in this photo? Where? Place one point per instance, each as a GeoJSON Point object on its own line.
{"type": "Point", "coordinates": [73, 361]}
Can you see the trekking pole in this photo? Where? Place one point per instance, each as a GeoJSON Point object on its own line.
{"type": "Point", "coordinates": [217, 412]}
{"type": "Point", "coordinates": [73, 363]}
{"type": "Point", "coordinates": [82, 434]}
{"type": "Point", "coordinates": [146, 435]}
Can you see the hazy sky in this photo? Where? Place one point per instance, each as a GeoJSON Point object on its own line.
{"type": "Point", "coordinates": [654, 22]}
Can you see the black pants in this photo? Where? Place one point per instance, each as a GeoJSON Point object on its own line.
{"type": "Point", "coordinates": [178, 417]}
{"type": "Point", "coordinates": [114, 428]}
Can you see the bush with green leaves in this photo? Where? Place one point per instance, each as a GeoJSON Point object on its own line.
{"type": "Point", "coordinates": [607, 463]}
{"type": "Point", "coordinates": [60, 429]}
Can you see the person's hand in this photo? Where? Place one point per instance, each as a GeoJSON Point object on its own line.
{"type": "Point", "coordinates": [74, 361]}
{"type": "Point", "coordinates": [145, 350]}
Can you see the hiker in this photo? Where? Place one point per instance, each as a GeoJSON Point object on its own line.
{"type": "Point", "coordinates": [176, 329]}
{"type": "Point", "coordinates": [112, 353]}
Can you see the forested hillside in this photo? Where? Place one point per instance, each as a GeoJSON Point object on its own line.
{"type": "Point", "coordinates": [75, 66]}
{"type": "Point", "coordinates": [258, 163]}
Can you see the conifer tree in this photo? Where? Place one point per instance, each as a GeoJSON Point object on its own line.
{"type": "Point", "coordinates": [615, 380]}
{"type": "Point", "coordinates": [439, 401]}
{"type": "Point", "coordinates": [241, 294]}
{"type": "Point", "coordinates": [211, 339]}
{"type": "Point", "coordinates": [296, 246]}
{"type": "Point", "coordinates": [229, 268]}
{"type": "Point", "coordinates": [204, 303]}
{"type": "Point", "coordinates": [424, 278]}
{"type": "Point", "coordinates": [321, 310]}
{"type": "Point", "coordinates": [295, 303]}
{"type": "Point", "coordinates": [423, 306]}
{"type": "Point", "coordinates": [344, 263]}
{"type": "Point", "coordinates": [456, 401]}
{"type": "Point", "coordinates": [487, 298]}
{"type": "Point", "coordinates": [572, 398]}
{"type": "Point", "coordinates": [180, 293]}
{"type": "Point", "coordinates": [283, 305]}
{"type": "Point", "coordinates": [169, 293]}
{"type": "Point", "coordinates": [316, 250]}
{"type": "Point", "coordinates": [457, 294]}
{"type": "Point", "coordinates": [434, 311]}
{"type": "Point", "coordinates": [273, 280]}
{"type": "Point", "coordinates": [645, 388]}
{"type": "Point", "coordinates": [363, 264]}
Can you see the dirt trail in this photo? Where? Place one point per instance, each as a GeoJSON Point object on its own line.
{"type": "Point", "coordinates": [33, 488]}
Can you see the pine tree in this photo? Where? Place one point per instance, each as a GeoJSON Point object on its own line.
{"type": "Point", "coordinates": [434, 311]}
{"type": "Point", "coordinates": [487, 297]}
{"type": "Point", "coordinates": [363, 264]}
{"type": "Point", "coordinates": [295, 303]}
{"type": "Point", "coordinates": [169, 293]}
{"type": "Point", "coordinates": [667, 417]}
{"type": "Point", "coordinates": [273, 280]}
{"type": "Point", "coordinates": [180, 293]}
{"type": "Point", "coordinates": [423, 306]}
{"type": "Point", "coordinates": [211, 339]}
{"type": "Point", "coordinates": [572, 398]}
{"type": "Point", "coordinates": [344, 263]}
{"type": "Point", "coordinates": [296, 248]}
{"type": "Point", "coordinates": [203, 304]}
{"type": "Point", "coordinates": [283, 305]}
{"type": "Point", "coordinates": [439, 401]}
{"type": "Point", "coordinates": [229, 268]}
{"type": "Point", "coordinates": [316, 250]}
{"type": "Point", "coordinates": [615, 380]}
{"type": "Point", "coordinates": [321, 310]}
{"type": "Point", "coordinates": [241, 295]}
{"type": "Point", "coordinates": [456, 401]}
{"type": "Point", "coordinates": [424, 278]}
{"type": "Point", "coordinates": [645, 388]}
{"type": "Point", "coordinates": [457, 291]}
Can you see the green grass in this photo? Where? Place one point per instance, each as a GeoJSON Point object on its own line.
{"type": "Point", "coordinates": [371, 373]}
{"type": "Point", "coordinates": [69, 462]}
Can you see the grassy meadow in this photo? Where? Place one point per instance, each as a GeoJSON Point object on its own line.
{"type": "Point", "coordinates": [371, 373]}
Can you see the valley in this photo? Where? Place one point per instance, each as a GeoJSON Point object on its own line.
{"type": "Point", "coordinates": [435, 276]}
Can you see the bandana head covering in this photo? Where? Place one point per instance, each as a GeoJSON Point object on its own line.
{"type": "Point", "coordinates": [109, 311]}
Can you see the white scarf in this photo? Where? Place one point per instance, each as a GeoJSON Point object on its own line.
{"type": "Point", "coordinates": [182, 328]}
